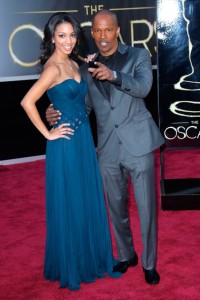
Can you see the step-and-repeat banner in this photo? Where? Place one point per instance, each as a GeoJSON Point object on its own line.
{"type": "Point", "coordinates": [178, 32]}
{"type": "Point", "coordinates": [22, 23]}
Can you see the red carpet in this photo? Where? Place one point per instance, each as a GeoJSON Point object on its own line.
{"type": "Point", "coordinates": [22, 242]}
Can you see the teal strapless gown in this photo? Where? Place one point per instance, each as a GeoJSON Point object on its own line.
{"type": "Point", "coordinates": [78, 242]}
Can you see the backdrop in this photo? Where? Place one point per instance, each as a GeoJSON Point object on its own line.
{"type": "Point", "coordinates": [179, 71]}
{"type": "Point", "coordinates": [22, 24]}
{"type": "Point", "coordinates": [21, 30]}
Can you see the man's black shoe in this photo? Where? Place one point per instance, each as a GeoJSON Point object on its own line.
{"type": "Point", "coordinates": [151, 276]}
{"type": "Point", "coordinates": [123, 266]}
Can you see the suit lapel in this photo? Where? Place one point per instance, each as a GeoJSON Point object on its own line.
{"type": "Point", "coordinates": [98, 83]}
{"type": "Point", "coordinates": [100, 87]}
{"type": "Point", "coordinates": [120, 59]}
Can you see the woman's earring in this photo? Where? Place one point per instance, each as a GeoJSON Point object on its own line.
{"type": "Point", "coordinates": [52, 41]}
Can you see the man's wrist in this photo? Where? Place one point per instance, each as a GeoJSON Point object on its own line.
{"type": "Point", "coordinates": [117, 78]}
{"type": "Point", "coordinates": [114, 76]}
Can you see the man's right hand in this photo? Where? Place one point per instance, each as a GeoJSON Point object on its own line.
{"type": "Point", "coordinates": [52, 115]}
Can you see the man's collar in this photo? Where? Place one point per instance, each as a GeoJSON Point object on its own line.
{"type": "Point", "coordinates": [112, 56]}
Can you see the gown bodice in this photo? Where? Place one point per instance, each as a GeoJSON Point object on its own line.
{"type": "Point", "coordinates": [69, 98]}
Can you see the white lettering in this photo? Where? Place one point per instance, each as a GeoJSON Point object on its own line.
{"type": "Point", "coordinates": [181, 132]}
{"type": "Point", "coordinates": [144, 41]}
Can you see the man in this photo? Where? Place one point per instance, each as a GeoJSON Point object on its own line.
{"type": "Point", "coordinates": [127, 137]}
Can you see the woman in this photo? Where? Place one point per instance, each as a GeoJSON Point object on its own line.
{"type": "Point", "coordinates": [78, 243]}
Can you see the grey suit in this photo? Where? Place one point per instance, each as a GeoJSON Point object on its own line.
{"type": "Point", "coordinates": [127, 136]}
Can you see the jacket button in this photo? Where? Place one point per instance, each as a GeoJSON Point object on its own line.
{"type": "Point", "coordinates": [116, 126]}
{"type": "Point", "coordinates": [111, 107]}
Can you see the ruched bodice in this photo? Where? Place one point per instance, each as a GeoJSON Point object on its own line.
{"type": "Point", "coordinates": [68, 97]}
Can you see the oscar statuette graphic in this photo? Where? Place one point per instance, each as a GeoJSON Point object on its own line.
{"type": "Point", "coordinates": [191, 80]}
{"type": "Point", "coordinates": [179, 71]}
{"type": "Point", "coordinates": [179, 98]}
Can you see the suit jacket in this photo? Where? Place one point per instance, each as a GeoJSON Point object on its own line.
{"type": "Point", "coordinates": [124, 118]}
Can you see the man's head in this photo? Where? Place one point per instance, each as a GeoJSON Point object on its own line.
{"type": "Point", "coordinates": [105, 31]}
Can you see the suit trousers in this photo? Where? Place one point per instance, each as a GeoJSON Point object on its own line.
{"type": "Point", "coordinates": [115, 177]}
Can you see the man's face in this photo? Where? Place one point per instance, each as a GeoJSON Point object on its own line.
{"type": "Point", "coordinates": [105, 32]}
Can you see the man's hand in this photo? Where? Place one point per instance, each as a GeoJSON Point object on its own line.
{"type": "Point", "coordinates": [102, 72]}
{"type": "Point", "coordinates": [52, 116]}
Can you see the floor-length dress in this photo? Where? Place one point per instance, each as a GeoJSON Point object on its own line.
{"type": "Point", "coordinates": [78, 243]}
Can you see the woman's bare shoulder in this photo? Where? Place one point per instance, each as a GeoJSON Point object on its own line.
{"type": "Point", "coordinates": [51, 66]}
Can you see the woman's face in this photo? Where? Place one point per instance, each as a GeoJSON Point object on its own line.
{"type": "Point", "coordinates": [64, 38]}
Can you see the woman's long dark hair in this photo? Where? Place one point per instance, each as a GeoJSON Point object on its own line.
{"type": "Point", "coordinates": [47, 46]}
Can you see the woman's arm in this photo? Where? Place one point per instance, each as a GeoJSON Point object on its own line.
{"type": "Point", "coordinates": [48, 77]}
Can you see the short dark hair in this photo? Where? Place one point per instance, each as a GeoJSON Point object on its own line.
{"type": "Point", "coordinates": [106, 12]}
{"type": "Point", "coordinates": [56, 19]}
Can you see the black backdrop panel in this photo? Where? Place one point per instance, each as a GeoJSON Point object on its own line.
{"type": "Point", "coordinates": [179, 71]}
{"type": "Point", "coordinates": [20, 47]}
